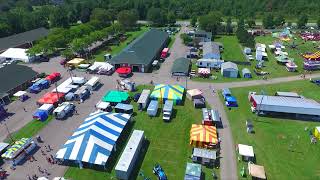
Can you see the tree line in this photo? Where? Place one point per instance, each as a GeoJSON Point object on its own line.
{"type": "Point", "coordinates": [22, 15]}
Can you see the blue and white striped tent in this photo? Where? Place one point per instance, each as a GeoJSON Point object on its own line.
{"type": "Point", "coordinates": [95, 138]}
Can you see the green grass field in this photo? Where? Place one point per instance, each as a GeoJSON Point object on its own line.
{"type": "Point", "coordinates": [232, 48]}
{"type": "Point", "coordinates": [99, 56]}
{"type": "Point", "coordinates": [282, 146]}
{"type": "Point", "coordinates": [29, 130]}
{"type": "Point", "coordinates": [168, 145]}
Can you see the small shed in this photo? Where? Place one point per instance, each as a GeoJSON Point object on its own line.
{"type": "Point", "coordinates": [256, 171]}
{"type": "Point", "coordinates": [130, 155]}
{"type": "Point", "coordinates": [246, 152]}
{"type": "Point", "coordinates": [229, 69]}
{"type": "Point", "coordinates": [153, 108]}
{"type": "Point", "coordinates": [144, 99]}
{"type": "Point", "coordinates": [181, 67]}
{"type": "Point", "coordinates": [124, 108]}
{"type": "Point", "coordinates": [204, 156]}
{"type": "Point", "coordinates": [246, 73]}
{"type": "Point", "coordinates": [193, 172]}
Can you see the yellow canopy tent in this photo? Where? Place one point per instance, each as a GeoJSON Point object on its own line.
{"type": "Point", "coordinates": [203, 135]}
{"type": "Point", "coordinates": [75, 62]}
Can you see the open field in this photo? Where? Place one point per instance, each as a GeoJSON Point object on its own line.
{"type": "Point", "coordinates": [282, 146]}
{"type": "Point", "coordinates": [114, 49]}
{"type": "Point", "coordinates": [232, 48]}
{"type": "Point", "coordinates": [167, 144]}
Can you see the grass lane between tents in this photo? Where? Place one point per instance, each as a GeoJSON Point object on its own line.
{"type": "Point", "coordinates": [29, 130]}
{"type": "Point", "coordinates": [167, 144]}
{"type": "Point", "coordinates": [282, 146]}
{"type": "Point", "coordinates": [114, 49]}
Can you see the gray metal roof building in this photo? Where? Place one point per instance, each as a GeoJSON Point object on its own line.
{"type": "Point", "coordinates": [142, 51]}
{"type": "Point", "coordinates": [181, 67]}
{"type": "Point", "coordinates": [286, 105]}
{"type": "Point", "coordinates": [22, 38]}
{"type": "Point", "coordinates": [211, 50]}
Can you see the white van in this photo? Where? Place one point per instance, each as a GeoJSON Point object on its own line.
{"type": "Point", "coordinates": [93, 83]}
{"type": "Point", "coordinates": [63, 110]}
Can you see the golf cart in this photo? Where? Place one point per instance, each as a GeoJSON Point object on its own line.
{"type": "Point", "coordinates": [158, 171]}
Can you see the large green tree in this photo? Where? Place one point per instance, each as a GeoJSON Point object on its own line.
{"type": "Point", "coordinates": [128, 19]}
{"type": "Point", "coordinates": [59, 17]}
{"type": "Point", "coordinates": [156, 16]}
{"type": "Point", "coordinates": [211, 22]}
{"type": "Point", "coordinates": [101, 15]}
{"type": "Point", "coordinates": [229, 29]}
{"type": "Point", "coordinates": [302, 21]}
{"type": "Point", "coordinates": [268, 21]}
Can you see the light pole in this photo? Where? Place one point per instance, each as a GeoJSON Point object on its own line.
{"type": "Point", "coordinates": [10, 136]}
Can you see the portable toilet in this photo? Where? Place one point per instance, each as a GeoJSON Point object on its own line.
{"type": "Point", "coordinates": [167, 110]}
{"type": "Point", "coordinates": [153, 108]}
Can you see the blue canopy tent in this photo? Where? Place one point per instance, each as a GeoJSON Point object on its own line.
{"type": "Point", "coordinates": [231, 101]}
{"type": "Point", "coordinates": [95, 139]}
{"type": "Point", "coordinates": [40, 115]}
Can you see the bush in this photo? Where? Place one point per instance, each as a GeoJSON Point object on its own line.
{"type": "Point", "coordinates": [185, 38]}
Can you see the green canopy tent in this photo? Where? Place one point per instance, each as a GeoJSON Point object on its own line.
{"type": "Point", "coordinates": [115, 97]}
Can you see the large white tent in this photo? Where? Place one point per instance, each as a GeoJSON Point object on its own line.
{"type": "Point", "coordinates": [16, 54]}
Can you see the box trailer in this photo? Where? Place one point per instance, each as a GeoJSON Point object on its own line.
{"type": "Point", "coordinates": [130, 155]}
{"type": "Point", "coordinates": [63, 110]}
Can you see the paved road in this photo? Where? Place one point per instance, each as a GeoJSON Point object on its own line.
{"type": "Point", "coordinates": [56, 132]}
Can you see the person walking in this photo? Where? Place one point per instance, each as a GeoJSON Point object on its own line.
{"type": "Point", "coordinates": [24, 109]}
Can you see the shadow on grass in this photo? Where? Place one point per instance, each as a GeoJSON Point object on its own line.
{"type": "Point", "coordinates": [142, 154]}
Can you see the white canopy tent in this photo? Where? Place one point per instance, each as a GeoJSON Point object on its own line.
{"type": "Point", "coordinates": [245, 150]}
{"type": "Point", "coordinates": [16, 54]}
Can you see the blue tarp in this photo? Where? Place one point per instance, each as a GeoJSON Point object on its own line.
{"type": "Point", "coordinates": [231, 99]}
{"type": "Point", "coordinates": [40, 115]}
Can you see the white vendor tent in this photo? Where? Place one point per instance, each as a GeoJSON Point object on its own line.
{"type": "Point", "coordinates": [16, 54]}
{"type": "Point", "coordinates": [245, 150]}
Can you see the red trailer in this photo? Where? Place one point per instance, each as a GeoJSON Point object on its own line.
{"type": "Point", "coordinates": [164, 52]}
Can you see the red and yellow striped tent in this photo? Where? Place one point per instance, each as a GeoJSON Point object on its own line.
{"type": "Point", "coordinates": [203, 135]}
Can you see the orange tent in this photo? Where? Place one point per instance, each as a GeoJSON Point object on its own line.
{"type": "Point", "coordinates": [51, 98]}
{"type": "Point", "coordinates": [203, 135]}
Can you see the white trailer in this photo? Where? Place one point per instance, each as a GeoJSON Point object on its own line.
{"type": "Point", "coordinates": [93, 83]}
{"type": "Point", "coordinates": [144, 99]}
{"type": "Point", "coordinates": [130, 155]}
{"type": "Point", "coordinates": [63, 110]}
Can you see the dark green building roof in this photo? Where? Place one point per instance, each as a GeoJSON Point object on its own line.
{"type": "Point", "coordinates": [13, 75]}
{"type": "Point", "coordinates": [22, 38]}
{"type": "Point", "coordinates": [143, 49]}
{"type": "Point", "coordinates": [181, 66]}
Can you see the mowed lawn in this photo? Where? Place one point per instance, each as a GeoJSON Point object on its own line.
{"type": "Point", "coordinates": [282, 146]}
{"type": "Point", "coordinates": [29, 130]}
{"type": "Point", "coordinates": [167, 144]}
{"type": "Point", "coordinates": [114, 49]}
{"type": "Point", "coordinates": [232, 49]}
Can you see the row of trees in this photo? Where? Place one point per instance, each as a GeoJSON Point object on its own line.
{"type": "Point", "coordinates": [270, 22]}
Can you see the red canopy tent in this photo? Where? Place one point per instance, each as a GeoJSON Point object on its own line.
{"type": "Point", "coordinates": [51, 98]}
{"type": "Point", "coordinates": [124, 71]}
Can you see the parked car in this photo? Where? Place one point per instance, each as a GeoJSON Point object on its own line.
{"type": "Point", "coordinates": [158, 171]}
{"type": "Point", "coordinates": [315, 81]}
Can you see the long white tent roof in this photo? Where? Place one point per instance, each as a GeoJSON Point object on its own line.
{"type": "Point", "coordinates": [16, 54]}
{"type": "Point", "coordinates": [93, 141]}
